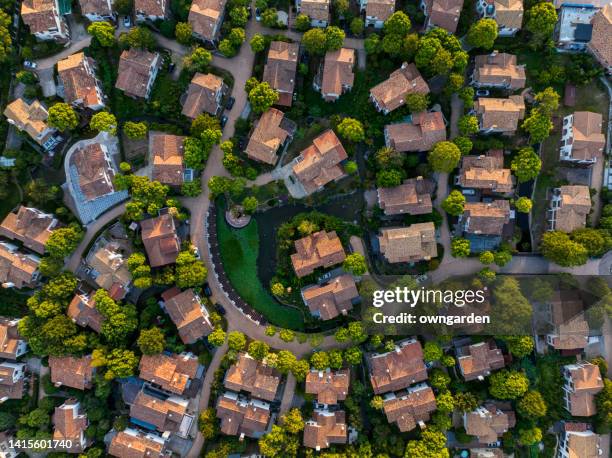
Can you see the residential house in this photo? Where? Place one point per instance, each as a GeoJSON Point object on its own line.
{"type": "Point", "coordinates": [45, 20]}
{"type": "Point", "coordinates": [319, 164]}
{"type": "Point", "coordinates": [324, 429]}
{"type": "Point", "coordinates": [17, 269]}
{"type": "Point", "coordinates": [335, 75]}
{"type": "Point", "coordinates": [97, 10]}
{"type": "Point", "coordinates": [71, 371]}
{"type": "Point", "coordinates": [377, 11]}
{"type": "Point", "coordinates": [150, 10]}
{"type": "Point", "coordinates": [329, 386]}
{"type": "Point", "coordinates": [316, 10]}
{"type": "Point", "coordinates": [569, 207]}
{"type": "Point", "coordinates": [478, 360]}
{"type": "Point", "coordinates": [574, 29]}
{"type": "Point", "coordinates": [160, 239]}
{"type": "Point", "coordinates": [12, 380]}
{"type": "Point", "coordinates": [330, 299]}
{"type": "Point", "coordinates": [414, 243]}
{"type": "Point", "coordinates": [391, 93]}
{"type": "Point", "coordinates": [507, 13]}
{"type": "Point", "coordinates": [498, 70]}
{"type": "Point", "coordinates": [583, 381]}
{"type": "Point", "coordinates": [170, 372]}
{"type": "Point", "coordinates": [7, 449]}
{"type": "Point", "coordinates": [133, 443]}
{"type": "Point", "coordinates": [488, 423]}
{"type": "Point", "coordinates": [578, 441]}
{"type": "Point", "coordinates": [166, 414]}
{"type": "Point", "coordinates": [32, 119]}
{"type": "Point", "coordinates": [566, 330]}
{"type": "Point", "coordinates": [188, 314]}
{"type": "Point", "coordinates": [82, 310]}
{"type": "Point", "coordinates": [69, 425]}
{"type": "Point", "coordinates": [412, 197]}
{"type": "Point", "coordinates": [252, 376]}
{"type": "Point", "coordinates": [137, 72]}
{"type": "Point", "coordinates": [242, 417]}
{"type": "Point", "coordinates": [321, 249]}
{"type": "Point", "coordinates": [500, 115]}
{"type": "Point", "coordinates": [410, 408]}
{"type": "Point", "coordinates": [280, 68]}
{"type": "Point", "coordinates": [205, 18]}
{"type": "Point", "coordinates": [397, 369]}
{"type": "Point", "coordinates": [272, 132]}
{"type": "Point", "coordinates": [167, 159]}
{"type": "Point", "coordinates": [442, 13]}
{"type": "Point", "coordinates": [78, 83]}
{"type": "Point", "coordinates": [204, 94]}
{"type": "Point", "coordinates": [486, 172]}
{"type": "Point", "coordinates": [108, 268]}
{"type": "Point", "coordinates": [600, 46]}
{"type": "Point", "coordinates": [582, 139]}
{"type": "Point", "coordinates": [420, 133]}
{"type": "Point", "coordinates": [12, 346]}
{"type": "Point", "coordinates": [485, 224]}
{"type": "Point", "coordinates": [30, 226]}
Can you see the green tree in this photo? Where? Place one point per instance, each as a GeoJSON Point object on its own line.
{"type": "Point", "coordinates": [417, 102]}
{"type": "Point", "coordinates": [302, 22]}
{"type": "Point", "coordinates": [119, 363]}
{"type": "Point", "coordinates": [397, 24]}
{"type": "Point", "coordinates": [198, 60]}
{"type": "Point", "coordinates": [389, 178]}
{"type": "Point", "coordinates": [532, 405]}
{"type": "Point", "coordinates": [278, 289]}
{"type": "Point", "coordinates": [341, 335]}
{"type": "Point", "coordinates": [217, 337]}
{"type": "Point", "coordinates": [334, 38]}
{"type": "Point", "coordinates": [541, 21]}
{"type": "Point", "coordinates": [104, 121]}
{"type": "Point", "coordinates": [63, 241]}
{"type": "Point", "coordinates": [237, 36]}
{"type": "Point", "coordinates": [432, 352]}
{"type": "Point", "coordinates": [357, 26]}
{"type": "Point", "coordinates": [135, 130]}
{"type": "Point", "coordinates": [239, 16]}
{"type": "Point", "coordinates": [523, 204]}
{"type": "Point", "coordinates": [5, 36]}
{"type": "Point", "coordinates": [262, 97]}
{"type": "Point", "coordinates": [249, 204]}
{"type": "Point", "coordinates": [355, 263]}
{"type": "Point", "coordinates": [236, 340]}
{"type": "Point", "coordinates": [538, 125]}
{"type": "Point", "coordinates": [483, 33]}
{"type": "Point", "coordinates": [444, 157]}
{"type": "Point", "coordinates": [526, 164]}
{"type": "Point", "coordinates": [486, 257]}
{"type": "Point", "coordinates": [508, 384]}
{"type": "Point", "coordinates": [292, 421]}
{"type": "Point", "coordinates": [454, 203]}
{"type": "Point", "coordinates": [351, 129]}
{"type": "Point", "coordinates": [315, 41]}
{"type": "Point", "coordinates": [207, 423]}
{"type": "Point", "coordinates": [372, 44]}
{"type": "Point", "coordinates": [596, 241]}
{"type": "Point", "coordinates": [151, 341]}
{"type": "Point", "coordinates": [319, 360]}
{"type": "Point", "coordinates": [194, 153]}
{"type": "Point", "coordinates": [603, 402]}
{"type": "Point", "coordinates": [285, 361]}
{"type": "Point", "coordinates": [189, 271]}
{"type": "Point", "coordinates": [63, 117]}
{"type": "Point", "coordinates": [104, 32]}
{"type": "Point", "coordinates": [141, 272]}
{"type": "Point", "coordinates": [388, 158]}
{"type": "Point", "coordinates": [460, 247]}
{"type": "Point", "coordinates": [286, 335]}
{"type": "Point", "coordinates": [183, 32]}
{"type": "Point", "coordinates": [258, 43]}
{"type": "Point", "coordinates": [258, 350]}
{"type": "Point", "coordinates": [279, 443]}
{"type": "Point", "coordinates": [353, 355]}
{"type": "Point", "coordinates": [377, 403]}
{"type": "Point", "coordinates": [300, 370]}
{"type": "Point", "coordinates": [138, 37]}
{"type": "Point", "coordinates": [227, 48]}
{"type": "Point", "coordinates": [560, 249]}
{"type": "Point", "coordinates": [431, 445]}
{"type": "Point", "coordinates": [465, 401]}
{"type": "Point", "coordinates": [118, 321]}
{"type": "Point", "coordinates": [519, 346]}
{"type": "Point", "coordinates": [468, 125]}
{"type": "Point", "coordinates": [530, 436]}
{"type": "Point", "coordinates": [445, 402]}
{"type": "Point", "coordinates": [548, 100]}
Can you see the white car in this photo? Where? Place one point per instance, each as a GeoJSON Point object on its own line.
{"type": "Point", "coordinates": [29, 64]}
{"type": "Point", "coordinates": [196, 252]}
{"type": "Point", "coordinates": [127, 22]}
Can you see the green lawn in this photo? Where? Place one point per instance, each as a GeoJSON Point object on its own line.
{"type": "Point", "coordinates": [239, 252]}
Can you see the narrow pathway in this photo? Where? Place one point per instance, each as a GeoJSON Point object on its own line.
{"type": "Point", "coordinates": [49, 62]}
{"type": "Point", "coordinates": [288, 394]}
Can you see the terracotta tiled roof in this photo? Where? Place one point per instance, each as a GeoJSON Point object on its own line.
{"type": "Point", "coordinates": [397, 369]}
{"type": "Point", "coordinates": [414, 243]}
{"type": "Point", "coordinates": [486, 218]}
{"type": "Point", "coordinates": [82, 309]}
{"type": "Point", "coordinates": [499, 68]}
{"type": "Point", "coordinates": [9, 338]}
{"type": "Point", "coordinates": [280, 68]}
{"type": "Point", "coordinates": [380, 9]}
{"type": "Point", "coordinates": [95, 173]}
{"type": "Point", "coordinates": [407, 409]}
{"type": "Point", "coordinates": [203, 95]}
{"type": "Point", "coordinates": [31, 118]}
{"type": "Point", "coordinates": [269, 134]}
{"type": "Point", "coordinates": [151, 7]}
{"type": "Point", "coordinates": [509, 13]}
{"type": "Point", "coordinates": [70, 371]}
{"type": "Point", "coordinates": [70, 423]}
{"type": "Point", "coordinates": [412, 197]}
{"type": "Point", "coordinates": [167, 158]}
{"type": "Point", "coordinates": [337, 72]}
{"type": "Point", "coordinates": [79, 81]}
{"type": "Point", "coordinates": [160, 240]}
{"type": "Point", "coordinates": [391, 93]}
{"type": "Point", "coordinates": [99, 7]}
{"type": "Point", "coordinates": [135, 71]}
{"type": "Point", "coordinates": [8, 387]}
{"type": "Point", "coordinates": [586, 444]}
{"type": "Point", "coordinates": [488, 423]}
{"type": "Point", "coordinates": [188, 314]}
{"type": "Point", "coordinates": [17, 268]}
{"type": "Point", "coordinates": [501, 115]}
{"type": "Point", "coordinates": [486, 172]}
{"type": "Point", "coordinates": [600, 45]}
{"type": "Point", "coordinates": [131, 443]}
{"type": "Point", "coordinates": [570, 329]}
{"type": "Point", "coordinates": [574, 207]}
{"type": "Point", "coordinates": [39, 15]}
{"type": "Point", "coordinates": [242, 417]}
{"type": "Point", "coordinates": [331, 299]}
{"type": "Point", "coordinates": [479, 360]}
{"type": "Point", "coordinates": [324, 429]}
{"type": "Point", "coordinates": [319, 164]}
{"type": "Point", "coordinates": [171, 372]}
{"type": "Point", "coordinates": [111, 269]}
{"type": "Point", "coordinates": [205, 17]}
{"type": "Point", "coordinates": [588, 140]}
{"type": "Point", "coordinates": [165, 415]}
{"type": "Point", "coordinates": [30, 226]}
{"type": "Point", "coordinates": [444, 13]}
{"type": "Point", "coordinates": [420, 134]}
{"type": "Point", "coordinates": [316, 9]}
{"type": "Point", "coordinates": [586, 383]}
{"type": "Point", "coordinates": [321, 249]}
{"type": "Point", "coordinates": [255, 377]}
{"type": "Point", "coordinates": [329, 386]}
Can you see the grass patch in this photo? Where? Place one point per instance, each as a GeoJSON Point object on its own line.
{"type": "Point", "coordinates": [239, 251]}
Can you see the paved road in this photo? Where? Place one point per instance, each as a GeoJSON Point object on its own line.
{"type": "Point", "coordinates": [287, 400]}
{"type": "Point", "coordinates": [76, 46]}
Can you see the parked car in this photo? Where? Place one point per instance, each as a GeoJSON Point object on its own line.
{"type": "Point", "coordinates": [482, 92]}
{"type": "Point", "coordinates": [30, 64]}
{"type": "Point", "coordinates": [207, 290]}
{"type": "Point", "coordinates": [220, 309]}
{"type": "Point", "coordinates": [230, 103]}
{"type": "Point", "coordinates": [127, 22]}
{"type": "Point", "coordinates": [171, 67]}
{"type": "Point", "coordinates": [250, 12]}
{"type": "Point", "coordinates": [196, 252]}
{"type": "Point", "coordinates": [223, 121]}
{"type": "Point", "coordinates": [257, 14]}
